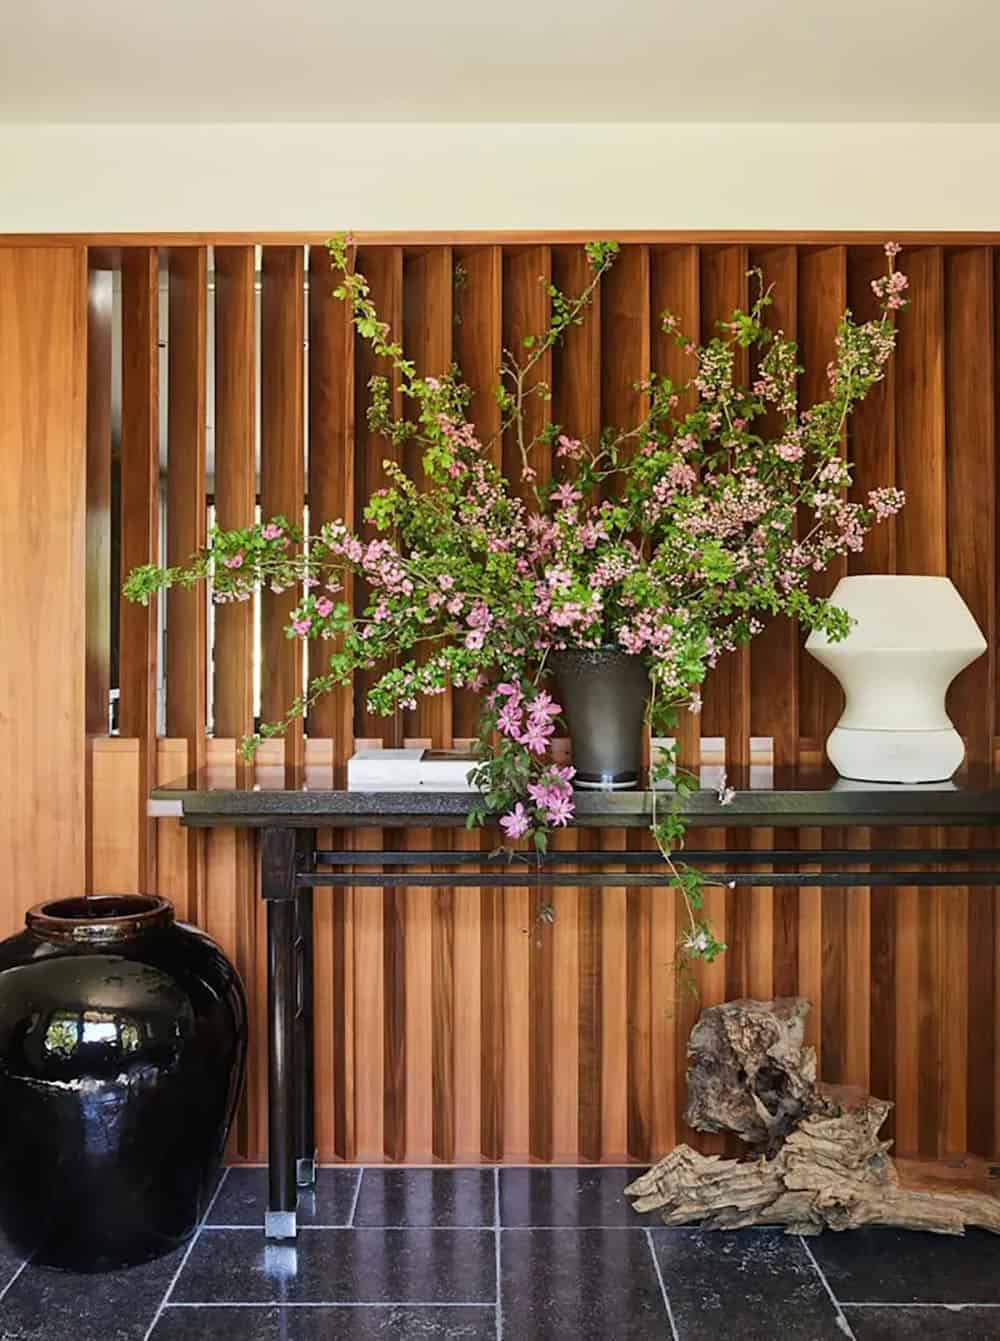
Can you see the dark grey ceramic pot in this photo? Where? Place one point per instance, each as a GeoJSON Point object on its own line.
{"type": "Point", "coordinates": [603, 693]}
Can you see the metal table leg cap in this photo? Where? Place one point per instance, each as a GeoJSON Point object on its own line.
{"type": "Point", "coordinates": [280, 1225]}
{"type": "Point", "coordinates": [305, 1172]}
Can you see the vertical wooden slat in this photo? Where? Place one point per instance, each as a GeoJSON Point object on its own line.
{"type": "Point", "coordinates": [383, 267]}
{"type": "Point", "coordinates": [822, 297]}
{"type": "Point", "coordinates": [186, 651]}
{"type": "Point", "coordinates": [380, 949]}
{"type": "Point", "coordinates": [727, 690]}
{"type": "Point", "coordinates": [282, 471]}
{"type": "Point", "coordinates": [675, 287]}
{"type": "Point", "coordinates": [626, 932]}
{"type": "Point", "coordinates": [576, 931]}
{"type": "Point", "coordinates": [231, 906]}
{"type": "Point", "coordinates": [235, 485]}
{"type": "Point", "coordinates": [331, 498]}
{"type": "Point", "coordinates": [527, 1127]}
{"type": "Point", "coordinates": [187, 615]}
{"type": "Point", "coordinates": [981, 1005]}
{"type": "Point", "coordinates": [430, 913]}
{"type": "Point", "coordinates": [774, 653]}
{"type": "Point", "coordinates": [922, 547]}
{"type": "Point", "coordinates": [98, 566]}
{"type": "Point", "coordinates": [479, 944]}
{"type": "Point", "coordinates": [140, 520]}
{"type": "Point", "coordinates": [871, 430]}
{"type": "Point", "coordinates": [759, 933]}
{"type": "Point", "coordinates": [971, 482]}
{"type": "Point", "coordinates": [43, 445]}
{"type": "Point", "coordinates": [921, 468]}
{"type": "Point", "coordinates": [972, 540]}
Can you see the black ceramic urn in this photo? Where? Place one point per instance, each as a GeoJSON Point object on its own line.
{"type": "Point", "coordinates": [122, 1050]}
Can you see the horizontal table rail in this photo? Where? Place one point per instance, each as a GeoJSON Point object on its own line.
{"type": "Point", "coordinates": [619, 879]}
{"type": "Point", "coordinates": [731, 856]}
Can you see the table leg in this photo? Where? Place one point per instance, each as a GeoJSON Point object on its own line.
{"type": "Point", "coordinates": [278, 863]}
{"type": "Point", "coordinates": [305, 1164]}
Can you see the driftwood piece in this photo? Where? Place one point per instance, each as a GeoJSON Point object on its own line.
{"type": "Point", "coordinates": [749, 1071]}
{"type": "Point", "coordinates": [817, 1159]}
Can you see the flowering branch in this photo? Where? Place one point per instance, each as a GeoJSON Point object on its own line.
{"type": "Point", "coordinates": [717, 525]}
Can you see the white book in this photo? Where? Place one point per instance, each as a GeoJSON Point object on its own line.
{"type": "Point", "coordinates": [416, 767]}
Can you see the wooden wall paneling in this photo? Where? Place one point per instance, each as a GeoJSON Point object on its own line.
{"type": "Point", "coordinates": [477, 320]}
{"type": "Point", "coordinates": [187, 524]}
{"type": "Point", "coordinates": [282, 472]}
{"type": "Point", "coordinates": [626, 933]}
{"type": "Point", "coordinates": [140, 508]}
{"type": "Point", "coordinates": [576, 930]}
{"type": "Point", "coordinates": [428, 284]}
{"type": "Point", "coordinates": [527, 1116]}
{"type": "Point", "coordinates": [98, 485]}
{"type": "Point", "coordinates": [330, 498]}
{"type": "Point", "coordinates": [231, 912]}
{"type": "Point", "coordinates": [565, 1042]}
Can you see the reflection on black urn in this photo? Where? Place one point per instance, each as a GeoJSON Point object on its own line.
{"type": "Point", "coordinates": [122, 1050]}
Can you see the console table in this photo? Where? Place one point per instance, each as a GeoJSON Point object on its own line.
{"type": "Point", "coordinates": [290, 806]}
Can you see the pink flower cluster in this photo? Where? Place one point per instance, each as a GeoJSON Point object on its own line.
{"type": "Point", "coordinates": [527, 723]}
{"type": "Point", "coordinates": [891, 288]}
{"type": "Point", "coordinates": [552, 796]}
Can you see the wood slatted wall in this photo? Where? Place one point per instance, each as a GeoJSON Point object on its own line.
{"type": "Point", "coordinates": [452, 1025]}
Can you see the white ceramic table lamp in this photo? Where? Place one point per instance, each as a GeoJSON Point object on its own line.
{"type": "Point", "coordinates": [910, 638]}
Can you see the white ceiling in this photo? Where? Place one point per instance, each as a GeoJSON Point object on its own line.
{"type": "Point", "coordinates": [499, 60]}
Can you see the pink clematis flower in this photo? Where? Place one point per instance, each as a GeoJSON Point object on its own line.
{"type": "Point", "coordinates": [517, 823]}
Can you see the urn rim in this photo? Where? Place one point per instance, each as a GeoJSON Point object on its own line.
{"type": "Point", "coordinates": [99, 919]}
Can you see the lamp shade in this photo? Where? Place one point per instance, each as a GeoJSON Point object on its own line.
{"type": "Point", "coordinates": [910, 637]}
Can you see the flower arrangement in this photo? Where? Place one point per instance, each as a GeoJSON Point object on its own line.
{"type": "Point", "coordinates": [674, 540]}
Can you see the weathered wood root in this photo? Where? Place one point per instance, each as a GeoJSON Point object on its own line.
{"type": "Point", "coordinates": [751, 1074]}
{"type": "Point", "coordinates": [749, 1071]}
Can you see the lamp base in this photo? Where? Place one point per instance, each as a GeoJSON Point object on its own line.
{"type": "Point", "coordinates": [895, 756]}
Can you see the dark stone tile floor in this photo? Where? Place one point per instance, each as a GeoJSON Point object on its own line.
{"type": "Point", "coordinates": [519, 1254]}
